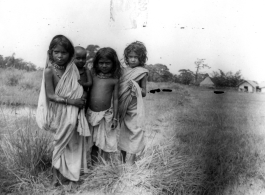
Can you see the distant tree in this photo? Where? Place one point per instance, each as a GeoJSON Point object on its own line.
{"type": "Point", "coordinates": [91, 51]}
{"type": "Point", "coordinates": [11, 60]}
{"type": "Point", "coordinates": [229, 79]}
{"type": "Point", "coordinates": [159, 73]}
{"type": "Point", "coordinates": [199, 64]}
{"type": "Point", "coordinates": [18, 63]}
{"type": "Point", "coordinates": [186, 76]}
{"type": "Point", "coordinates": [2, 61]}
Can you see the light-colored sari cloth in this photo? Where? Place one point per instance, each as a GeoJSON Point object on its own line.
{"type": "Point", "coordinates": [101, 133]}
{"type": "Point", "coordinates": [131, 110]}
{"type": "Point", "coordinates": [66, 122]}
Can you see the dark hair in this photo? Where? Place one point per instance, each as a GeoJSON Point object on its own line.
{"type": "Point", "coordinates": [65, 43]}
{"type": "Point", "coordinates": [110, 54]}
{"type": "Point", "coordinates": [139, 48]}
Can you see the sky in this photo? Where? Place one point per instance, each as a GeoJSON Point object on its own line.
{"type": "Point", "coordinates": [228, 34]}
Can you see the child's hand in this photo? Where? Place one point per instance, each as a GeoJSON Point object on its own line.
{"type": "Point", "coordinates": [130, 83]}
{"type": "Point", "coordinates": [80, 103]}
{"type": "Point", "coordinates": [81, 82]}
{"type": "Point", "coordinates": [114, 124]}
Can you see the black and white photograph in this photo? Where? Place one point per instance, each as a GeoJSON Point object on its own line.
{"type": "Point", "coordinates": [132, 97]}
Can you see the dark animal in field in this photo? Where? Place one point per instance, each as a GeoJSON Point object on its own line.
{"type": "Point", "coordinates": [167, 90]}
{"type": "Point", "coordinates": [154, 90]}
{"type": "Point", "coordinates": [218, 92]}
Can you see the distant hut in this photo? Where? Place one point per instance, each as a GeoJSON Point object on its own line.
{"type": "Point", "coordinates": [262, 87]}
{"type": "Point", "coordinates": [248, 86]}
{"type": "Point", "coordinates": [207, 82]}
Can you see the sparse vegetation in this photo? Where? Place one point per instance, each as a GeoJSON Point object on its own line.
{"type": "Point", "coordinates": [198, 143]}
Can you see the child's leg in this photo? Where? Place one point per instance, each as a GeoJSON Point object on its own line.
{"type": "Point", "coordinates": [130, 158]}
{"type": "Point", "coordinates": [105, 155]}
{"type": "Point", "coordinates": [55, 176]}
{"type": "Point", "coordinates": [123, 156]}
{"type": "Point", "coordinates": [94, 154]}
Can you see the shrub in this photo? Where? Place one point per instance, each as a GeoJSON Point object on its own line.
{"type": "Point", "coordinates": [11, 77]}
{"type": "Point", "coordinates": [26, 151]}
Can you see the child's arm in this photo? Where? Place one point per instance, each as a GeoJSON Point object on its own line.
{"type": "Point", "coordinates": [115, 105]}
{"type": "Point", "coordinates": [88, 83]}
{"type": "Point", "coordinates": [49, 86]}
{"type": "Point", "coordinates": [142, 84]}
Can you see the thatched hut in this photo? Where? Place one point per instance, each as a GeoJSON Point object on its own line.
{"type": "Point", "coordinates": [207, 82]}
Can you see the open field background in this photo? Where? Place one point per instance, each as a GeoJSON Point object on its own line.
{"type": "Point", "coordinates": [198, 143]}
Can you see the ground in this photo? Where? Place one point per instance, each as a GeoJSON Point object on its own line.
{"type": "Point", "coordinates": [198, 143]}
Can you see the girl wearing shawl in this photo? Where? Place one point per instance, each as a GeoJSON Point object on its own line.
{"type": "Point", "coordinates": [60, 110]}
{"type": "Point", "coordinates": [132, 89]}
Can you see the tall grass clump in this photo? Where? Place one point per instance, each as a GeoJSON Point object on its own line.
{"type": "Point", "coordinates": [26, 152]}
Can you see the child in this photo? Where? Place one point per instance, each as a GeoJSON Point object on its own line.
{"type": "Point", "coordinates": [85, 75]}
{"type": "Point", "coordinates": [57, 112]}
{"type": "Point", "coordinates": [132, 88]}
{"type": "Point", "coordinates": [102, 112]}
{"type": "Point", "coordinates": [80, 61]}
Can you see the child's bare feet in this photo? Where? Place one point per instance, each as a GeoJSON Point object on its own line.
{"type": "Point", "coordinates": [55, 181]}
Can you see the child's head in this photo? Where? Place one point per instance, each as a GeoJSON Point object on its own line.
{"type": "Point", "coordinates": [61, 50]}
{"type": "Point", "coordinates": [135, 54]}
{"type": "Point", "coordinates": [106, 61]}
{"type": "Point", "coordinates": [80, 56]}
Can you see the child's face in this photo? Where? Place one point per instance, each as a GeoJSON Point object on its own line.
{"type": "Point", "coordinates": [80, 58]}
{"type": "Point", "coordinates": [133, 59]}
{"type": "Point", "coordinates": [105, 65]}
{"type": "Point", "coordinates": [60, 55]}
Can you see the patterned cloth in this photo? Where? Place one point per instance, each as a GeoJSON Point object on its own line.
{"type": "Point", "coordinates": [131, 110]}
{"type": "Point", "coordinates": [67, 123]}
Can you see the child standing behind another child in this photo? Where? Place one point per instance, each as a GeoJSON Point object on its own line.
{"type": "Point", "coordinates": [80, 61]}
{"type": "Point", "coordinates": [132, 89]}
{"type": "Point", "coordinates": [85, 74]}
{"type": "Point", "coordinates": [102, 112]}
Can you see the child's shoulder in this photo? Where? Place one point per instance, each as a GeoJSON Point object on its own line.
{"type": "Point", "coordinates": [48, 70]}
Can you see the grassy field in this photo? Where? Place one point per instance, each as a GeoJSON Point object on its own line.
{"type": "Point", "coordinates": [198, 143]}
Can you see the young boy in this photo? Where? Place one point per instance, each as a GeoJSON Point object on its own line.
{"type": "Point", "coordinates": [80, 61]}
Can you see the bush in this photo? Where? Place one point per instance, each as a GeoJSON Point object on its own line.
{"type": "Point", "coordinates": [12, 77]}
{"type": "Point", "coordinates": [25, 151]}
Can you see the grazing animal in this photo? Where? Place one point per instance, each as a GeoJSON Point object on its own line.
{"type": "Point", "coordinates": [167, 90]}
{"type": "Point", "coordinates": [154, 90]}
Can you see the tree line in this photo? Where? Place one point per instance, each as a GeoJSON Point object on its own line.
{"type": "Point", "coordinates": [18, 63]}
{"type": "Point", "coordinates": [157, 72]}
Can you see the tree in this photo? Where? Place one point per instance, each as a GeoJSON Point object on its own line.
{"type": "Point", "coordinates": [186, 76]}
{"type": "Point", "coordinates": [229, 79]}
{"type": "Point", "coordinates": [159, 73]}
{"type": "Point", "coordinates": [199, 64]}
{"type": "Point", "coordinates": [91, 51]}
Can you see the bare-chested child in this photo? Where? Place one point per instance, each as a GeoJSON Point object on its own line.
{"type": "Point", "coordinates": [102, 112]}
{"type": "Point", "coordinates": [58, 109]}
{"type": "Point", "coordinates": [80, 61]}
{"type": "Point", "coordinates": [85, 74]}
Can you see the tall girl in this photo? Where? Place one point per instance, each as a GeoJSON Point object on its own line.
{"type": "Point", "coordinates": [58, 110]}
{"type": "Point", "coordinates": [132, 89]}
{"type": "Point", "coordinates": [102, 110]}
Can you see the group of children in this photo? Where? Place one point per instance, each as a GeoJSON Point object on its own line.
{"type": "Point", "coordinates": [84, 108]}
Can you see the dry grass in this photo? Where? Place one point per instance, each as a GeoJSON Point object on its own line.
{"type": "Point", "coordinates": [198, 143]}
{"type": "Point", "coordinates": [18, 87]}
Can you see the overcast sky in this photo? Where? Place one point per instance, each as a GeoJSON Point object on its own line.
{"type": "Point", "coordinates": [229, 34]}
